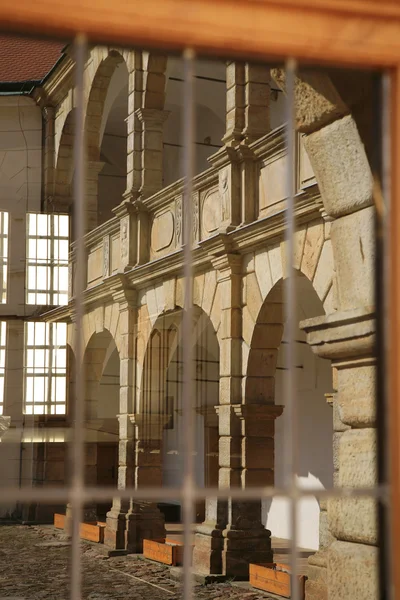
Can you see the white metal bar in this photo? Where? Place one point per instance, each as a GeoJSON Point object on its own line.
{"type": "Point", "coordinates": [78, 450]}
{"type": "Point", "coordinates": [291, 412]}
{"type": "Point", "coordinates": [187, 323]}
{"type": "Point", "coordinates": [99, 494]}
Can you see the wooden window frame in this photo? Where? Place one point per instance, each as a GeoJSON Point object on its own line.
{"type": "Point", "coordinates": [358, 33]}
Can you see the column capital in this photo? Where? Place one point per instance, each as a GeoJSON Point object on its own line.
{"type": "Point", "coordinates": [152, 117]}
{"type": "Point", "coordinates": [152, 424]}
{"type": "Point", "coordinates": [227, 264]}
{"type": "Point", "coordinates": [260, 412]}
{"type": "Point", "coordinates": [127, 298]}
{"type": "Point", "coordinates": [48, 112]}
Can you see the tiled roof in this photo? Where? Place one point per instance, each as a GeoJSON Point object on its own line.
{"type": "Point", "coordinates": [27, 59]}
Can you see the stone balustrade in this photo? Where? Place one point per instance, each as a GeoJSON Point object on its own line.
{"type": "Point", "coordinates": [249, 181]}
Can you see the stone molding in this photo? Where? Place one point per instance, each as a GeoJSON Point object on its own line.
{"type": "Point", "coordinates": [342, 335]}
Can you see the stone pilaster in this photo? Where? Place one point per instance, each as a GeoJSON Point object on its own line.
{"type": "Point", "coordinates": [152, 121]}
{"type": "Point", "coordinates": [257, 102]}
{"type": "Point", "coordinates": [235, 103]}
{"type": "Point", "coordinates": [226, 161]}
{"type": "Point", "coordinates": [48, 113]}
{"type": "Point", "coordinates": [116, 522]}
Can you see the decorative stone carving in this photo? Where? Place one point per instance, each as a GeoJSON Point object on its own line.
{"type": "Point", "coordinates": [211, 210]}
{"type": "Point", "coordinates": [106, 256]}
{"type": "Point", "coordinates": [178, 219]}
{"type": "Point", "coordinates": [224, 194]}
{"type": "Point", "coordinates": [124, 244]}
{"type": "Point", "coordinates": [162, 231]}
{"type": "Point", "coordinates": [196, 217]}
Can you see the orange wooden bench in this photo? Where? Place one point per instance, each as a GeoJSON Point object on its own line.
{"type": "Point", "coordinates": [275, 578]}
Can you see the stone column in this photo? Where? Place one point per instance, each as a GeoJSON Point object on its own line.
{"type": "Point", "coordinates": [145, 520]}
{"type": "Point", "coordinates": [116, 531]}
{"type": "Point", "coordinates": [232, 535]}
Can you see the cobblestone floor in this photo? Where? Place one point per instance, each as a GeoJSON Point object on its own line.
{"type": "Point", "coordinates": [34, 564]}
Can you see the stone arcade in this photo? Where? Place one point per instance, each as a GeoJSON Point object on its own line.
{"type": "Point", "coordinates": [135, 295]}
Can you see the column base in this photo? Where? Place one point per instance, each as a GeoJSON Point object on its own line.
{"type": "Point", "coordinates": [231, 551]}
{"type": "Point", "coordinates": [245, 546]}
{"type": "Point", "coordinates": [114, 533]}
{"type": "Point", "coordinates": [144, 522]}
{"type": "Point", "coordinates": [207, 551]}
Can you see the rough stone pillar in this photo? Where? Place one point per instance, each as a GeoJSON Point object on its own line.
{"type": "Point", "coordinates": [339, 160]}
{"type": "Point", "coordinates": [145, 520]}
{"type": "Point", "coordinates": [116, 521]}
{"type": "Point", "coordinates": [92, 187]}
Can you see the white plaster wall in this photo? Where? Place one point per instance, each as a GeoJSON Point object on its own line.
{"type": "Point", "coordinates": [314, 379]}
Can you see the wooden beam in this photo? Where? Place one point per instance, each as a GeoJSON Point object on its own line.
{"type": "Point", "coordinates": [353, 32]}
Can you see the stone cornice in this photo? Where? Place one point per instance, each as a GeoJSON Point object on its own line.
{"type": "Point", "coordinates": [343, 336]}
{"type": "Point", "coordinates": [242, 240]}
{"type": "Point", "coordinates": [60, 82]}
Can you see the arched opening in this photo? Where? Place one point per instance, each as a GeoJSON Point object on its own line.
{"type": "Point", "coordinates": [162, 402]}
{"type": "Point", "coordinates": [210, 99]}
{"type": "Point", "coordinates": [102, 379]}
{"type": "Point", "coordinates": [267, 368]}
{"type": "Point", "coordinates": [113, 143]}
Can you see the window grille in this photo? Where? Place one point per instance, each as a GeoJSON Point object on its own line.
{"type": "Point", "coordinates": [47, 259]}
{"type": "Point", "coordinates": [45, 368]}
{"type": "Point", "coordinates": [46, 361]}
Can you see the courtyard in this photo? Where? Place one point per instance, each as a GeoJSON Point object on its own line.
{"type": "Point", "coordinates": [34, 564]}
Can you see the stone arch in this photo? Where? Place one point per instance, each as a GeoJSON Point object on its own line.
{"type": "Point", "coordinates": [160, 405]}
{"type": "Point", "coordinates": [101, 364]}
{"type": "Point", "coordinates": [266, 267]}
{"type": "Point", "coordinates": [62, 196]}
{"type": "Point", "coordinates": [264, 385]}
{"type": "Point", "coordinates": [104, 64]}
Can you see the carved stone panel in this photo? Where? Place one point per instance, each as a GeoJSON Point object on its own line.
{"type": "Point", "coordinates": [178, 220]}
{"type": "Point", "coordinates": [211, 211]}
{"type": "Point", "coordinates": [272, 184]}
{"type": "Point", "coordinates": [106, 256]}
{"type": "Point", "coordinates": [124, 244]}
{"type": "Point", "coordinates": [162, 231]}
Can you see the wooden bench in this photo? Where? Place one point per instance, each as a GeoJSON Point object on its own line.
{"type": "Point", "coordinates": [275, 578]}
{"type": "Point", "coordinates": [166, 551]}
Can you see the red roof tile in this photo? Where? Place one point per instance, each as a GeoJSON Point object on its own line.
{"type": "Point", "coordinates": [27, 59]}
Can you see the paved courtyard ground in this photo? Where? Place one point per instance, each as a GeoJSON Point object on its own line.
{"type": "Point", "coordinates": [34, 564]}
